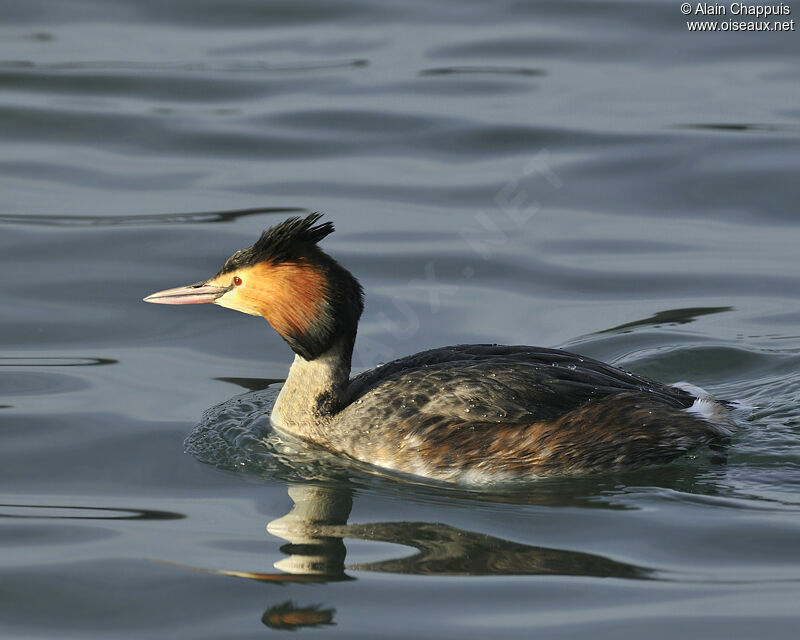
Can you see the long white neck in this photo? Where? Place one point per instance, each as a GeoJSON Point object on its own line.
{"type": "Point", "coordinates": [313, 392]}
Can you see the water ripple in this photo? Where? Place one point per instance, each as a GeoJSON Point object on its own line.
{"type": "Point", "coordinates": [47, 361]}
{"type": "Point", "coordinates": [40, 511]}
{"type": "Point", "coordinates": [743, 127]}
{"type": "Point", "coordinates": [144, 219]}
{"type": "Point", "coordinates": [118, 66]}
{"type": "Point", "coordinates": [482, 69]}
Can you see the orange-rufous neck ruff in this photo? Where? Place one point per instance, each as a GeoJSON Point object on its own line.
{"type": "Point", "coordinates": [288, 294]}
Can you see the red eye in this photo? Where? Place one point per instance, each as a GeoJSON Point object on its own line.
{"type": "Point", "coordinates": [237, 280]}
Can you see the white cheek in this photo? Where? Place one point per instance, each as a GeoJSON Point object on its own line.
{"type": "Point", "coordinates": [233, 300]}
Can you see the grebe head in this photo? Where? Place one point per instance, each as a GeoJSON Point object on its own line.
{"type": "Point", "coordinates": [306, 296]}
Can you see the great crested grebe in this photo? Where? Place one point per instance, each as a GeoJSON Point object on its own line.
{"type": "Point", "coordinates": [468, 414]}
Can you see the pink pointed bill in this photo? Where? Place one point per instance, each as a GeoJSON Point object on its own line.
{"type": "Point", "coordinates": [200, 293]}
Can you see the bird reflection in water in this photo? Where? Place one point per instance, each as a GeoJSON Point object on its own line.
{"type": "Point", "coordinates": [288, 616]}
{"type": "Point", "coordinates": [316, 527]}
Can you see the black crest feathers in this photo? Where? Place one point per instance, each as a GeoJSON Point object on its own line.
{"type": "Point", "coordinates": [282, 242]}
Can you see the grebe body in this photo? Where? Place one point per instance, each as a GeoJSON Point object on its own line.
{"type": "Point", "coordinates": [466, 414]}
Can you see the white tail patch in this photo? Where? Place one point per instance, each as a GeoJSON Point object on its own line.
{"type": "Point", "coordinates": [708, 407]}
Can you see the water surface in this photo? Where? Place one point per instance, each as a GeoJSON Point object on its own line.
{"type": "Point", "coordinates": [583, 175]}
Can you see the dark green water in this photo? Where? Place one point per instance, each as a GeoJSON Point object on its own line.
{"type": "Point", "coordinates": [587, 175]}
